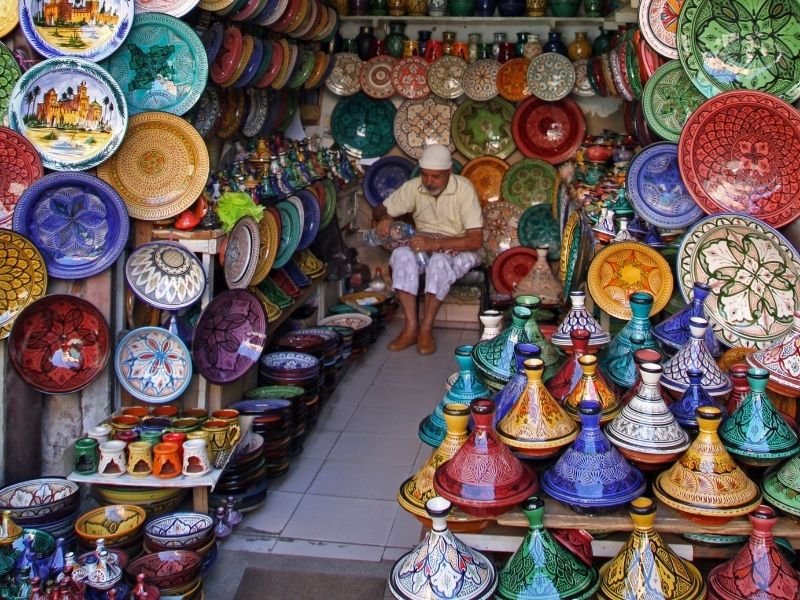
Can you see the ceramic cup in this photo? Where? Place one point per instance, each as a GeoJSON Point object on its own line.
{"type": "Point", "coordinates": [166, 411]}
{"type": "Point", "coordinates": [201, 414]}
{"type": "Point", "coordinates": [87, 456]}
{"type": "Point", "coordinates": [136, 411]}
{"type": "Point", "coordinates": [112, 458]}
{"type": "Point", "coordinates": [229, 415]}
{"type": "Point", "coordinates": [166, 463]}
{"type": "Point", "coordinates": [101, 433]}
{"type": "Point", "coordinates": [124, 422]}
{"type": "Point", "coordinates": [195, 458]}
{"type": "Point", "coordinates": [140, 459]}
{"type": "Point", "coordinates": [185, 424]}
{"type": "Point", "coordinates": [221, 438]}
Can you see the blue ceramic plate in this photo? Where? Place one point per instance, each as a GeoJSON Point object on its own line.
{"type": "Point", "coordinates": [384, 176]}
{"type": "Point", "coordinates": [294, 273]}
{"type": "Point", "coordinates": [291, 230]}
{"type": "Point", "coordinates": [78, 222]}
{"type": "Point", "coordinates": [656, 189]}
{"type": "Point", "coordinates": [259, 407]}
{"type": "Point", "coordinates": [161, 66]}
{"type": "Point", "coordinates": [311, 218]}
{"type": "Point", "coordinates": [278, 361]}
{"type": "Point", "coordinates": [92, 30]}
{"type": "Point", "coordinates": [212, 40]}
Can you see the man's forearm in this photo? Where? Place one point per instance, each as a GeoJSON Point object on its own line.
{"type": "Point", "coordinates": [468, 242]}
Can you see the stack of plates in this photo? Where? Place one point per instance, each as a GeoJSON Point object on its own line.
{"type": "Point", "coordinates": [273, 422]}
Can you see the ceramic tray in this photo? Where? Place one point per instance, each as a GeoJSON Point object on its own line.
{"type": "Point", "coordinates": [420, 123]}
{"type": "Point", "coordinates": [165, 275]}
{"type": "Point", "coordinates": [445, 76]}
{"type": "Point", "coordinates": [669, 99]}
{"type": "Point", "coordinates": [385, 176]}
{"type": "Point", "coordinates": [530, 181]}
{"type": "Point", "coordinates": [230, 336]}
{"type": "Point", "coordinates": [484, 128]}
{"type": "Point", "coordinates": [269, 237]}
{"type": "Point", "coordinates": [486, 174]}
{"type": "Point", "coordinates": [344, 80]}
{"type": "Point", "coordinates": [375, 77]}
{"type": "Point", "coordinates": [78, 222]}
{"type": "Point", "coordinates": [753, 272]}
{"type": "Point", "coordinates": [551, 131]}
{"type": "Point", "coordinates": [363, 125]}
{"type": "Point", "coordinates": [622, 268]}
{"type": "Point", "coordinates": [26, 276]}
{"type": "Point", "coordinates": [160, 169]}
{"type": "Point", "coordinates": [241, 253]}
{"type": "Point", "coordinates": [9, 74]}
{"type": "Point", "coordinates": [551, 76]}
{"type": "Point", "coordinates": [205, 113]}
{"type": "Point", "coordinates": [410, 77]}
{"type": "Point", "coordinates": [511, 267]}
{"type": "Point", "coordinates": [21, 167]}
{"type": "Point", "coordinates": [512, 79]}
{"type": "Point", "coordinates": [153, 365]}
{"type": "Point", "coordinates": [500, 223]}
{"type": "Point", "coordinates": [59, 344]}
{"type": "Point", "coordinates": [480, 79]}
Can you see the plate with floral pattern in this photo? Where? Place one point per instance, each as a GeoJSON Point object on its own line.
{"type": "Point", "coordinates": [484, 128]}
{"type": "Point", "coordinates": [21, 168]}
{"type": "Point", "coordinates": [753, 272]}
{"type": "Point", "coordinates": [551, 76]}
{"type": "Point", "coordinates": [269, 238]}
{"type": "Point", "coordinates": [24, 275]}
{"type": "Point", "coordinates": [669, 99]}
{"type": "Point", "coordinates": [376, 77]}
{"type": "Point", "coordinates": [480, 79]}
{"type": "Point", "coordinates": [530, 181]}
{"type": "Point", "coordinates": [241, 253]}
{"type": "Point", "coordinates": [420, 123]}
{"type": "Point", "coordinates": [486, 174]}
{"type": "Point", "coordinates": [658, 20]}
{"type": "Point", "coordinates": [344, 80]}
{"type": "Point", "coordinates": [511, 267]}
{"type": "Point", "coordinates": [445, 76]}
{"type": "Point", "coordinates": [165, 275]}
{"type": "Point", "coordinates": [550, 131]}
{"type": "Point", "coordinates": [410, 77]}
{"type": "Point", "coordinates": [363, 125]}
{"type": "Point", "coordinates": [9, 74]}
{"type": "Point", "coordinates": [384, 176]}
{"type": "Point", "coordinates": [537, 228]}
{"type": "Point", "coordinates": [500, 223]}
{"type": "Point", "coordinates": [153, 365]}
{"type": "Point", "coordinates": [512, 79]}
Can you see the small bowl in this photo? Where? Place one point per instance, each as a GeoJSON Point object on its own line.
{"type": "Point", "coordinates": [166, 411]}
{"type": "Point", "coordinates": [118, 524]}
{"type": "Point", "coordinates": [185, 424]}
{"type": "Point", "coordinates": [124, 422]}
{"type": "Point", "coordinates": [40, 500]}
{"type": "Point", "coordinates": [136, 411]}
{"type": "Point", "coordinates": [200, 414]}
{"type": "Point", "coordinates": [167, 570]}
{"type": "Point", "coordinates": [179, 529]}
{"type": "Point", "coordinates": [156, 423]}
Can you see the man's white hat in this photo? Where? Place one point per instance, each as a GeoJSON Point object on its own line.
{"type": "Point", "coordinates": [436, 158]}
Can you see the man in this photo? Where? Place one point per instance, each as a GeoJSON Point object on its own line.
{"type": "Point", "coordinates": [448, 221]}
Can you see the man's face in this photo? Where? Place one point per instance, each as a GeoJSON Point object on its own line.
{"type": "Point", "coordinates": [435, 181]}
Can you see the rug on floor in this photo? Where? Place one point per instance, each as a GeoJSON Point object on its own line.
{"type": "Point", "coordinates": [278, 584]}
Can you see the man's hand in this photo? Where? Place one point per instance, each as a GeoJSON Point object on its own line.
{"type": "Point", "coordinates": [421, 243]}
{"type": "Point", "coordinates": [383, 226]}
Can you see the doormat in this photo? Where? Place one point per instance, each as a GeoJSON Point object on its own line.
{"type": "Point", "coordinates": [278, 584]}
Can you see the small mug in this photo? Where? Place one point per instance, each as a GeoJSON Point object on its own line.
{"type": "Point", "coordinates": [195, 458]}
{"type": "Point", "coordinates": [229, 415]}
{"type": "Point", "coordinates": [140, 459]}
{"type": "Point", "coordinates": [112, 458]}
{"type": "Point", "coordinates": [87, 456]}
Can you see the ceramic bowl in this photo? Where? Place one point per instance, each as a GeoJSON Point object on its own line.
{"type": "Point", "coordinates": [190, 591]}
{"type": "Point", "coordinates": [202, 548]}
{"type": "Point", "coordinates": [40, 500]}
{"type": "Point", "coordinates": [185, 424]}
{"type": "Point", "coordinates": [106, 495]}
{"type": "Point", "coordinates": [118, 524]}
{"type": "Point", "coordinates": [200, 414]}
{"type": "Point", "coordinates": [166, 411]}
{"type": "Point", "coordinates": [43, 543]}
{"type": "Point", "coordinates": [136, 411]}
{"type": "Point", "coordinates": [167, 570]}
{"type": "Point", "coordinates": [180, 529]}
{"type": "Point", "coordinates": [118, 556]}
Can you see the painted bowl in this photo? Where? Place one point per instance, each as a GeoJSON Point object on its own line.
{"type": "Point", "coordinates": [162, 504]}
{"type": "Point", "coordinates": [38, 501]}
{"type": "Point", "coordinates": [189, 591]}
{"type": "Point", "coordinates": [167, 570]}
{"type": "Point", "coordinates": [200, 414]}
{"type": "Point", "coordinates": [118, 557]}
{"type": "Point", "coordinates": [203, 547]}
{"type": "Point", "coordinates": [118, 524]}
{"type": "Point", "coordinates": [180, 529]}
{"type": "Point", "coordinates": [43, 543]}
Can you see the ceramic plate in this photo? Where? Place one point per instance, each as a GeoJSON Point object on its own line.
{"type": "Point", "coordinates": [269, 237]}
{"type": "Point", "coordinates": [550, 131]}
{"type": "Point", "coordinates": [376, 77]}
{"type": "Point", "coordinates": [669, 99]}
{"type": "Point", "coordinates": [9, 74]}
{"type": "Point", "coordinates": [21, 168]}
{"type": "Point", "coordinates": [153, 365]}
{"type": "Point", "coordinates": [312, 216]}
{"type": "Point", "coordinates": [165, 275]}
{"type": "Point", "coordinates": [583, 86]}
{"type": "Point", "coordinates": [486, 174]}
{"type": "Point", "coordinates": [530, 181]}
{"type": "Point", "coordinates": [511, 267]}
{"type": "Point", "coordinates": [500, 224]}
{"type": "Point", "coordinates": [161, 66]}
{"type": "Point", "coordinates": [25, 274]}
{"type": "Point", "coordinates": [512, 79]}
{"type": "Point", "coordinates": [241, 253]}
{"type": "Point", "coordinates": [9, 16]}
{"type": "Point", "coordinates": [91, 30]}
{"type": "Point", "coordinates": [161, 168]}
{"type": "Point", "coordinates": [445, 76]}
{"type": "Point", "coordinates": [253, 66]}
{"type": "Point", "coordinates": [656, 190]}
{"type": "Point", "coordinates": [745, 44]}
{"type": "Point", "coordinates": [344, 80]}
{"type": "Point", "coordinates": [385, 176]}
{"type": "Point", "coordinates": [356, 321]}
{"type": "Point", "coordinates": [59, 344]}
{"type": "Point", "coordinates": [570, 245]}
{"type": "Point", "coordinates": [537, 227]}
{"type": "Point", "coordinates": [71, 132]}
{"type": "Point", "coordinates": [176, 8]}
{"type": "Point", "coordinates": [207, 111]}
{"type": "Point", "coordinates": [321, 65]}
{"type": "Point", "coordinates": [551, 76]}
{"type": "Point", "coordinates": [480, 79]}
{"type": "Point", "coordinates": [230, 336]}
{"type": "Point", "coordinates": [291, 230]}
{"type": "Point", "coordinates": [228, 57]}
{"type": "Point", "coordinates": [420, 123]}
{"type": "Point", "coordinates": [78, 222]}
{"type": "Point", "coordinates": [658, 20]}
{"type": "Point", "coordinates": [363, 125]}
{"type": "Point", "coordinates": [484, 128]}
{"type": "Point", "coordinates": [753, 272]}
{"type": "Point", "coordinates": [327, 190]}
{"type": "Point", "coordinates": [258, 107]}
{"type": "Point", "coordinates": [410, 77]}
{"type": "Point", "coordinates": [737, 154]}
{"type": "Point", "coordinates": [622, 86]}
{"type": "Point", "coordinates": [622, 268]}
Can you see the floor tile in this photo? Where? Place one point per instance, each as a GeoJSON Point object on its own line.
{"type": "Point", "coordinates": [375, 448]}
{"type": "Point", "coordinates": [336, 416]}
{"type": "Point", "coordinates": [273, 515]}
{"type": "Point", "coordinates": [406, 531]}
{"type": "Point", "coordinates": [392, 375]}
{"type": "Point", "coordinates": [359, 480]}
{"type": "Point", "coordinates": [386, 421]}
{"type": "Point", "coordinates": [346, 520]}
{"type": "Point", "coordinates": [328, 550]}
{"type": "Point", "coordinates": [298, 479]}
{"type": "Point", "coordinates": [403, 396]}
{"type": "Point", "coordinates": [249, 542]}
{"type": "Point", "coordinates": [393, 554]}
{"type": "Point", "coordinates": [319, 442]}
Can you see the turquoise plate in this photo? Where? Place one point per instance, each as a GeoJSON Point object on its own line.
{"type": "Point", "coordinates": [537, 227]}
{"type": "Point", "coordinates": [364, 126]}
{"type": "Point", "coordinates": [9, 74]}
{"type": "Point", "coordinates": [291, 230]}
{"type": "Point", "coordinates": [161, 66]}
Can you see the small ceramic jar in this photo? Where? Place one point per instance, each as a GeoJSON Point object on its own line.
{"type": "Point", "coordinates": [112, 458]}
{"type": "Point", "coordinates": [87, 456]}
{"type": "Point", "coordinates": [195, 458]}
{"type": "Point", "coordinates": [221, 437]}
{"type": "Point", "coordinates": [101, 433]}
{"type": "Point", "coordinates": [448, 38]}
{"type": "Point", "coordinates": [166, 462]}
{"type": "Point", "coordinates": [177, 438]}
{"type": "Point", "coordinates": [140, 459]}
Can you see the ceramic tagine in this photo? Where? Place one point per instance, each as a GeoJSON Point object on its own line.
{"type": "Point", "coordinates": [418, 489]}
{"type": "Point", "coordinates": [484, 479]}
{"type": "Point", "coordinates": [646, 567]}
{"type": "Point", "coordinates": [640, 357]}
{"type": "Point", "coordinates": [494, 359]}
{"type": "Point", "coordinates": [673, 332]}
{"type": "Point", "coordinates": [592, 475]}
{"type": "Point", "coordinates": [694, 354]}
{"type": "Point", "coordinates": [590, 387]}
{"type": "Point", "coordinates": [465, 389]}
{"type": "Point", "coordinates": [617, 359]}
{"type": "Point", "coordinates": [782, 360]}
{"type": "Point", "coordinates": [567, 377]}
{"type": "Point", "coordinates": [693, 397]}
{"type": "Point", "coordinates": [442, 566]}
{"type": "Point", "coordinates": [550, 354]}
{"type": "Point", "coordinates": [505, 398]}
{"type": "Point", "coordinates": [645, 432]}
{"type": "Point", "coordinates": [782, 488]}
{"type": "Point", "coordinates": [756, 433]}
{"type": "Point", "coordinates": [536, 426]}
{"type": "Point", "coordinates": [492, 321]}
{"type": "Point", "coordinates": [759, 569]}
{"type": "Point", "coordinates": [542, 568]}
{"type": "Point", "coordinates": [541, 281]}
{"type": "Point", "coordinates": [706, 485]}
{"type": "Point", "coordinates": [738, 375]}
{"type": "Point", "coordinates": [579, 318]}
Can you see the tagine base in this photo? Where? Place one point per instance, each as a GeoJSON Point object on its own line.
{"type": "Point", "coordinates": [649, 462]}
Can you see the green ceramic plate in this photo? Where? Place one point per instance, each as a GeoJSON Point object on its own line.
{"type": "Point", "coordinates": [569, 252]}
{"type": "Point", "coordinates": [484, 128]}
{"type": "Point", "coordinates": [537, 227]}
{"type": "Point", "coordinates": [364, 126]}
{"type": "Point", "coordinates": [669, 99]}
{"type": "Point", "coordinates": [275, 294]}
{"type": "Point", "coordinates": [302, 71]}
{"type": "Point", "coordinates": [530, 181]}
{"type": "Point", "coordinates": [291, 230]}
{"type": "Point", "coordinates": [741, 44]}
{"type": "Point", "coordinates": [9, 73]}
{"type": "Point", "coordinates": [285, 392]}
{"type": "Point", "coordinates": [330, 202]}
{"type": "Point", "coordinates": [632, 69]}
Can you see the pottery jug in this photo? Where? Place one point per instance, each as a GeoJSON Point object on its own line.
{"type": "Point", "coordinates": [541, 281]}
{"type": "Point", "coordinates": [579, 47]}
{"type": "Point", "coordinates": [617, 359]}
{"type": "Point", "coordinates": [673, 332]}
{"type": "Point", "coordinates": [494, 358]}
{"type": "Point", "coordinates": [112, 458]}
{"type": "Point", "coordinates": [579, 318]}
{"type": "Point", "coordinates": [533, 47]}
{"type": "Point", "coordinates": [590, 387]}
{"type": "Point", "coordinates": [505, 398]}
{"type": "Point", "coordinates": [492, 321]}
{"type": "Point", "coordinates": [554, 43]}
{"type": "Point", "coordinates": [694, 354]}
{"type": "Point", "coordinates": [782, 360]}
{"type": "Point", "coordinates": [685, 409]}
{"type": "Point", "coordinates": [550, 355]}
{"type": "Point", "coordinates": [395, 39]}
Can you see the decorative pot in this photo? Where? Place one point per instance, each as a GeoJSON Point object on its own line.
{"type": "Point", "coordinates": [396, 8]}
{"type": "Point", "coordinates": [694, 354]}
{"type": "Point", "coordinates": [140, 459]}
{"type": "Point", "coordinates": [554, 43]}
{"type": "Point", "coordinates": [87, 456]}
{"type": "Point", "coordinates": [782, 360]}
{"type": "Point", "coordinates": [617, 360]}
{"type": "Point", "coordinates": [782, 488]}
{"type": "Point", "coordinates": [461, 8]}
{"type": "Point", "coordinates": [540, 279]}
{"type": "Point", "coordinates": [566, 379]}
{"type": "Point", "coordinates": [533, 47]}
{"type": "Point", "coordinates": [473, 50]}
{"type": "Point", "coordinates": [674, 332]}
{"type": "Point", "coordinates": [494, 358]}
{"type": "Point", "coordinates": [437, 8]}
{"type": "Point", "coordinates": [195, 458]}
{"type": "Point", "coordinates": [511, 8]}
{"type": "Point", "coordinates": [395, 39]}
{"type": "Point", "coordinates": [366, 42]}
{"type": "Point", "coordinates": [492, 321]}
{"type": "Point", "coordinates": [685, 409]}
{"type": "Point", "coordinates": [579, 47]}
{"type": "Point", "coordinates": [485, 8]}
{"type": "Point", "coordinates": [579, 318]}
{"type": "Point", "coordinates": [112, 458]}
{"type": "Point", "coordinates": [166, 463]}
{"type": "Point", "coordinates": [591, 388]}
{"type": "Point", "coordinates": [505, 398]}
{"type": "Point", "coordinates": [535, 8]}
{"type": "Point", "coordinates": [640, 357]}
{"type": "Point", "coordinates": [550, 355]}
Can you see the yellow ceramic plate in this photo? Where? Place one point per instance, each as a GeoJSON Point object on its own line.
{"type": "Point", "coordinates": [273, 310]}
{"type": "Point", "coordinates": [300, 18]}
{"type": "Point", "coordinates": [215, 5]}
{"type": "Point", "coordinates": [23, 277]}
{"type": "Point", "coordinates": [161, 167]}
{"type": "Point", "coordinates": [289, 58]}
{"type": "Point", "coordinates": [318, 72]}
{"type": "Point", "coordinates": [268, 250]}
{"type": "Point", "coordinates": [620, 269]}
{"type": "Point", "coordinates": [9, 16]}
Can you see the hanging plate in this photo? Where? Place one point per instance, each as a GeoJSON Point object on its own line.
{"type": "Point", "coordinates": [9, 16]}
{"type": "Point", "coordinates": [512, 79]}
{"type": "Point", "coordinates": [550, 131]}
{"type": "Point", "coordinates": [445, 76]}
{"type": "Point", "coordinates": [269, 237]}
{"type": "Point", "coordinates": [669, 99]}
{"type": "Point", "coordinates": [410, 77]}
{"type": "Point", "coordinates": [165, 275]}
{"type": "Point", "coordinates": [537, 228]}
{"type": "Point", "coordinates": [291, 230]}
{"type": "Point", "coordinates": [25, 276]}
{"type": "Point", "coordinates": [484, 128]}
{"type": "Point", "coordinates": [530, 181]}
{"type": "Point", "coordinates": [21, 168]}
{"type": "Point", "coordinates": [153, 365]}
{"type": "Point", "coordinates": [207, 111]}
{"type": "Point", "coordinates": [9, 74]}
{"type": "Point", "coordinates": [570, 247]}
{"type": "Point", "coordinates": [551, 76]}
{"type": "Point", "coordinates": [384, 176]}
{"type": "Point", "coordinates": [175, 8]}
{"type": "Point", "coordinates": [486, 174]}
{"type": "Point", "coordinates": [480, 79]}
{"type": "Point", "coordinates": [420, 123]}
{"type": "Point", "coordinates": [241, 253]}
{"type": "Point", "coordinates": [500, 224]}
{"type": "Point", "coordinates": [511, 267]}
{"type": "Point", "coordinates": [344, 80]}
{"type": "Point", "coordinates": [658, 20]}
{"type": "Point", "coordinates": [363, 125]}
{"type": "Point", "coordinates": [312, 216]}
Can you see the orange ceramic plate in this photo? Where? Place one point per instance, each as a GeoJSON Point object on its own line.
{"type": "Point", "coordinates": [512, 80]}
{"type": "Point", "coordinates": [289, 58]}
{"type": "Point", "coordinates": [486, 174]}
{"type": "Point", "coordinates": [248, 44]}
{"type": "Point", "coordinates": [318, 72]}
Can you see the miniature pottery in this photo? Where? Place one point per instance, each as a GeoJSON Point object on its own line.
{"type": "Point", "coordinates": [101, 574]}
{"type": "Point", "coordinates": [87, 456]}
{"type": "Point", "coordinates": [484, 479]}
{"type": "Point", "coordinates": [592, 475]}
{"type": "Point", "coordinates": [505, 398]}
{"type": "Point", "coordinates": [674, 331]}
{"type": "Point", "coordinates": [645, 431]}
{"type": "Point", "coordinates": [567, 377]}
{"type": "Point", "coordinates": [112, 458]}
{"type": "Point", "coordinates": [494, 358]}
{"type": "Point", "coordinates": [617, 359]}
{"type": "Point", "coordinates": [536, 426]}
{"type": "Point", "coordinates": [640, 357]}
{"type": "Point", "coordinates": [166, 461]}
{"type": "Point", "coordinates": [591, 388]}
{"type": "Point", "coordinates": [492, 321]}
{"type": "Point", "coordinates": [541, 281]}
{"type": "Point", "coordinates": [9, 530]}
{"type": "Point", "coordinates": [782, 360]}
{"type": "Point", "coordinates": [706, 485]}
{"type": "Point", "coordinates": [694, 354]}
{"type": "Point", "coordinates": [756, 434]}
{"type": "Point", "coordinates": [646, 567]}
{"type": "Point", "coordinates": [782, 488]}
{"type": "Point", "coordinates": [140, 459]}
{"type": "Point", "coordinates": [685, 409]}
{"type": "Point", "coordinates": [579, 318]}
{"type": "Point", "coordinates": [195, 458]}
{"type": "Point", "coordinates": [550, 354]}
{"type": "Point", "coordinates": [442, 566]}
{"type": "Point", "coordinates": [543, 568]}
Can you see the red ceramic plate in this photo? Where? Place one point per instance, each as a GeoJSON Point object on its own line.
{"type": "Point", "coordinates": [292, 8]}
{"type": "Point", "coordinates": [21, 167]}
{"type": "Point", "coordinates": [510, 267]}
{"type": "Point", "coordinates": [738, 153]}
{"type": "Point", "coordinates": [228, 59]}
{"type": "Point", "coordinates": [410, 77]}
{"type": "Point", "coordinates": [274, 67]}
{"type": "Point", "coordinates": [550, 131]}
{"type": "Point", "coordinates": [59, 344]}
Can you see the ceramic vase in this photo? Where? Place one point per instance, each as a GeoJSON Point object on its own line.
{"type": "Point", "coordinates": [756, 433]}
{"type": "Point", "coordinates": [646, 567]}
{"type": "Point", "coordinates": [567, 377]}
{"type": "Point", "coordinates": [536, 426]}
{"type": "Point", "coordinates": [759, 569]}
{"type": "Point", "coordinates": [395, 39]}
{"type": "Point", "coordinates": [437, 8]}
{"type": "Point", "coordinates": [492, 321]}
{"type": "Point", "coordinates": [579, 318]}
{"type": "Point", "coordinates": [782, 360]}
{"type": "Point", "coordinates": [705, 484]}
{"type": "Point", "coordinates": [494, 358]}
{"type": "Point", "coordinates": [593, 8]}
{"type": "Point", "coordinates": [782, 488]}
{"type": "Point", "coordinates": [522, 39]}
{"type": "Point", "coordinates": [366, 42]}
{"type": "Point", "coordinates": [694, 354]}
{"type": "Point", "coordinates": [533, 47]}
{"type": "Point", "coordinates": [112, 458]}
{"type": "Point", "coordinates": [423, 37]}
{"type": "Point", "coordinates": [580, 47]}
{"type": "Point", "coordinates": [464, 390]}
{"type": "Point", "coordinates": [591, 388]}
{"type": "Point", "coordinates": [505, 398]}
{"type": "Point", "coordinates": [550, 355]}
{"type": "Point", "coordinates": [554, 43]}
{"type": "Point", "coordinates": [673, 332]}
{"type": "Point", "coordinates": [645, 431]}
{"type": "Point", "coordinates": [543, 568]}
{"type": "Point", "coordinates": [541, 281]}
{"type": "Point", "coordinates": [640, 357]}
{"type": "Point", "coordinates": [484, 479]}
{"type": "Point", "coordinates": [602, 43]}
{"type": "Point", "coordinates": [685, 409]}
{"type": "Point", "coordinates": [617, 359]}
{"type": "Point", "coordinates": [416, 8]}
{"type": "Point", "coordinates": [396, 8]}
{"type": "Point", "coordinates": [485, 8]}
{"type": "Point", "coordinates": [442, 566]}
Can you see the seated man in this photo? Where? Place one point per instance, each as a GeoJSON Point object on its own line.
{"type": "Point", "coordinates": [448, 221]}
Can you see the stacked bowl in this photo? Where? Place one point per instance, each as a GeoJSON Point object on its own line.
{"type": "Point", "coordinates": [245, 476]}
{"type": "Point", "coordinates": [361, 324]}
{"type": "Point", "coordinates": [173, 572]}
{"type": "Point", "coordinates": [120, 525]}
{"type": "Point", "coordinates": [272, 420]}
{"type": "Point", "coordinates": [49, 504]}
{"type": "Point", "coordinates": [188, 531]}
{"type": "Point", "coordinates": [153, 500]}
